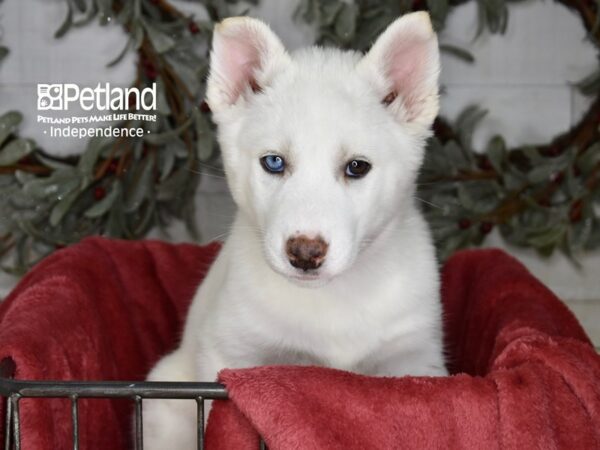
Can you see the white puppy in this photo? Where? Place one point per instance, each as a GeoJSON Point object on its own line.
{"type": "Point", "coordinates": [329, 262]}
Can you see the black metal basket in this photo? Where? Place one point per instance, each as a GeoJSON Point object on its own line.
{"type": "Point", "coordinates": [15, 390]}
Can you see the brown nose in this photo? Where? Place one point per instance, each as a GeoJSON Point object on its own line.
{"type": "Point", "coordinates": [305, 253]}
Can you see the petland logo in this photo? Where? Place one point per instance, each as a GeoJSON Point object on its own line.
{"type": "Point", "coordinates": [59, 97]}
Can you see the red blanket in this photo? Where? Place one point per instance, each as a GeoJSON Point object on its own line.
{"type": "Point", "coordinates": [528, 375]}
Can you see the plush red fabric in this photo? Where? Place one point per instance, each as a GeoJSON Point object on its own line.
{"type": "Point", "coordinates": [528, 376]}
{"type": "Point", "coordinates": [99, 310]}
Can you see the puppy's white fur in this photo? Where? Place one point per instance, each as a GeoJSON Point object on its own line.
{"type": "Point", "coordinates": [373, 306]}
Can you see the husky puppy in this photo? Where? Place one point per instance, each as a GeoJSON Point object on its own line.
{"type": "Point", "coordinates": [329, 261]}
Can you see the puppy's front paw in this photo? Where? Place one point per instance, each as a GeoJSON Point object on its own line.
{"type": "Point", "coordinates": [169, 424]}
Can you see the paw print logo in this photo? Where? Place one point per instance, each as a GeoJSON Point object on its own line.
{"type": "Point", "coordinates": [50, 97]}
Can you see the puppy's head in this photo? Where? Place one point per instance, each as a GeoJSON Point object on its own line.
{"type": "Point", "coordinates": [321, 148]}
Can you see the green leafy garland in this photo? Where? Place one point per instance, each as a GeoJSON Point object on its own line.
{"type": "Point", "coordinates": [125, 186]}
{"type": "Point", "coordinates": [544, 197]}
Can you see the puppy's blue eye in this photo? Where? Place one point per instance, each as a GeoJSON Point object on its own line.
{"type": "Point", "coordinates": [357, 168]}
{"type": "Point", "coordinates": [273, 163]}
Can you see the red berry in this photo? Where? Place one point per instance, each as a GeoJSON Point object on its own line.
{"type": "Point", "coordinates": [145, 62]}
{"type": "Point", "coordinates": [557, 177]}
{"type": "Point", "coordinates": [99, 192]}
{"type": "Point", "coordinates": [193, 27]}
{"type": "Point", "coordinates": [150, 71]}
{"type": "Point", "coordinates": [204, 107]}
{"type": "Point", "coordinates": [463, 224]}
{"type": "Point", "coordinates": [112, 167]}
{"type": "Point", "coordinates": [576, 212]}
{"type": "Point", "coordinates": [485, 164]}
{"type": "Point", "coordinates": [486, 227]}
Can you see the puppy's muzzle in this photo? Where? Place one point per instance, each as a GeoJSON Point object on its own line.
{"type": "Point", "coordinates": [306, 253]}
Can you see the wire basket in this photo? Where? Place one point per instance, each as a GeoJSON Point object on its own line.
{"type": "Point", "coordinates": [15, 390]}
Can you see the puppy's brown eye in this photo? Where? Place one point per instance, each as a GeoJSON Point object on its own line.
{"type": "Point", "coordinates": [357, 168]}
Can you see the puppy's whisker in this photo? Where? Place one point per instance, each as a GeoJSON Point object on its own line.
{"type": "Point", "coordinates": [219, 237]}
{"type": "Point", "coordinates": [208, 166]}
{"type": "Point", "coordinates": [428, 202]}
{"type": "Point", "coordinates": [206, 174]}
{"type": "Point", "coordinates": [216, 214]}
{"type": "Point", "coordinates": [428, 183]}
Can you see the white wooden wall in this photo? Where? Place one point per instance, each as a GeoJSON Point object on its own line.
{"type": "Point", "coordinates": [524, 78]}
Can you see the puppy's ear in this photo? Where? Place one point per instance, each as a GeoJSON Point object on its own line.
{"type": "Point", "coordinates": [245, 55]}
{"type": "Point", "coordinates": [404, 67]}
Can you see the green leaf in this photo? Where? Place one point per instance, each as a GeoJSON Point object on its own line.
{"type": "Point", "coordinates": [547, 237]}
{"type": "Point", "coordinates": [8, 124]}
{"type": "Point", "coordinates": [575, 186]}
{"type": "Point", "coordinates": [543, 167]}
{"type": "Point", "coordinates": [15, 150]}
{"type": "Point", "coordinates": [465, 197]}
{"type": "Point", "coordinates": [451, 244]}
{"type": "Point", "coordinates": [173, 186]}
{"type": "Point", "coordinates": [51, 162]}
{"type": "Point", "coordinates": [368, 31]}
{"type": "Point", "coordinates": [89, 15]}
{"type": "Point", "coordinates": [166, 162]}
{"type": "Point", "coordinates": [204, 139]}
{"type": "Point", "coordinates": [63, 207]}
{"type": "Point", "coordinates": [66, 25]}
{"type": "Point", "coordinates": [145, 222]}
{"type": "Point", "coordinates": [115, 225]}
{"type": "Point", "coordinates": [56, 186]}
{"type": "Point", "coordinates": [125, 15]}
{"type": "Point", "coordinates": [141, 184]}
{"type": "Point", "coordinates": [590, 85]}
{"type": "Point", "coordinates": [438, 10]}
{"type": "Point", "coordinates": [189, 74]}
{"type": "Point", "coordinates": [512, 179]}
{"type": "Point", "coordinates": [596, 25]}
{"type": "Point", "coordinates": [496, 153]}
{"type": "Point", "coordinates": [533, 155]}
{"type": "Point", "coordinates": [328, 11]}
{"type": "Point", "coordinates": [579, 235]}
{"type": "Point", "coordinates": [105, 9]}
{"type": "Point", "coordinates": [88, 159]}
{"type": "Point", "coordinates": [541, 173]}
{"type": "Point", "coordinates": [455, 156]}
{"type": "Point", "coordinates": [121, 55]}
{"type": "Point", "coordinates": [307, 10]}
{"type": "Point", "coordinates": [29, 228]}
{"type": "Point", "coordinates": [80, 5]}
{"type": "Point", "coordinates": [24, 177]}
{"type": "Point", "coordinates": [345, 22]}
{"type": "Point", "coordinates": [466, 123]}
{"type": "Point", "coordinates": [459, 52]}
{"type": "Point", "coordinates": [160, 41]}
{"type": "Point", "coordinates": [3, 52]}
{"type": "Point", "coordinates": [589, 159]}
{"type": "Point", "coordinates": [164, 138]}
{"type": "Point", "coordinates": [162, 105]}
{"type": "Point", "coordinates": [102, 207]}
{"type": "Point", "coordinates": [138, 37]}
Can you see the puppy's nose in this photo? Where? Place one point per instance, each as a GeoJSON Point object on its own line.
{"type": "Point", "coordinates": [306, 253]}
